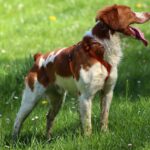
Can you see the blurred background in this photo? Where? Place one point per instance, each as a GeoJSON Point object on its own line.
{"type": "Point", "coordinates": [28, 27]}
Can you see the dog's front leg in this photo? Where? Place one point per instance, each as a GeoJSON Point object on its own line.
{"type": "Point", "coordinates": [107, 95]}
{"type": "Point", "coordinates": [105, 106]}
{"type": "Point", "coordinates": [85, 103]}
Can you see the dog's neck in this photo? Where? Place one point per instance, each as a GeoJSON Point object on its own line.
{"type": "Point", "coordinates": [109, 39]}
{"type": "Point", "coordinates": [101, 30]}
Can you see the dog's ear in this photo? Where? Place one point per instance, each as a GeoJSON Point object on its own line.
{"type": "Point", "coordinates": [109, 16]}
{"type": "Point", "coordinates": [37, 55]}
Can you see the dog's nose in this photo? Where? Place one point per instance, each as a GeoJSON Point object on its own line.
{"type": "Point", "coordinates": [142, 17]}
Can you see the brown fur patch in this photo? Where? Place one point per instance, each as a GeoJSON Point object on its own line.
{"type": "Point", "coordinates": [117, 18]}
{"type": "Point", "coordinates": [79, 54]}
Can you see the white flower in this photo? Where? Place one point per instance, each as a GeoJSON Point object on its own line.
{"type": "Point", "coordinates": [35, 118]}
{"type": "Point", "coordinates": [16, 97]}
{"type": "Point", "coordinates": [129, 145]}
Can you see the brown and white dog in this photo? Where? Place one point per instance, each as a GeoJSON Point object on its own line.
{"type": "Point", "coordinates": [84, 68]}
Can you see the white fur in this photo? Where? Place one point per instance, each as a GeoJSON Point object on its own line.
{"type": "Point", "coordinates": [29, 100]}
{"type": "Point", "coordinates": [89, 83]}
{"type": "Point", "coordinates": [140, 15]}
{"type": "Point", "coordinates": [92, 80]}
{"type": "Point", "coordinates": [52, 57]}
{"type": "Point", "coordinates": [112, 47]}
{"type": "Point", "coordinates": [112, 55]}
{"type": "Point", "coordinates": [41, 61]}
{"type": "Point", "coordinates": [85, 106]}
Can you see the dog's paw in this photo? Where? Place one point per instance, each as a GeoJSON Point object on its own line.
{"type": "Point", "coordinates": [48, 137]}
{"type": "Point", "coordinates": [104, 129]}
{"type": "Point", "coordinates": [88, 132]}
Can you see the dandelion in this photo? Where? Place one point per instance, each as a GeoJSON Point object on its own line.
{"type": "Point", "coordinates": [44, 102]}
{"type": "Point", "coordinates": [52, 18]}
{"type": "Point", "coordinates": [138, 5]}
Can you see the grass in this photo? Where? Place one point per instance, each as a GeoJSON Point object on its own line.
{"type": "Point", "coordinates": [26, 28]}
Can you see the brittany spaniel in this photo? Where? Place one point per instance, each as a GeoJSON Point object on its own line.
{"type": "Point", "coordinates": [84, 68]}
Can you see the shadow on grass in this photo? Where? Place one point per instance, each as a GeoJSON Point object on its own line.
{"type": "Point", "coordinates": [136, 136]}
{"type": "Point", "coordinates": [28, 138]}
{"type": "Point", "coordinates": [124, 129]}
{"type": "Point", "coordinates": [12, 75]}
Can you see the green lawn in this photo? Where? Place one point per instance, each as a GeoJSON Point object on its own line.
{"type": "Point", "coordinates": [27, 27]}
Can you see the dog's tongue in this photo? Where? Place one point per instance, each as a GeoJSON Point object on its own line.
{"type": "Point", "coordinates": [139, 35]}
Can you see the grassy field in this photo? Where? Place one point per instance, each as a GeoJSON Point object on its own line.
{"type": "Point", "coordinates": [27, 27]}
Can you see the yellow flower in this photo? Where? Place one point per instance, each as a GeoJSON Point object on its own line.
{"type": "Point", "coordinates": [52, 18]}
{"type": "Point", "coordinates": [44, 102]}
{"type": "Point", "coordinates": [138, 5]}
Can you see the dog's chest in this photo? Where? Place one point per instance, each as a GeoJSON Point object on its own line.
{"type": "Point", "coordinates": [112, 47]}
{"type": "Point", "coordinates": [92, 80]}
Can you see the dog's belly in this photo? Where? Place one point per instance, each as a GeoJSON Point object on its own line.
{"type": "Point", "coordinates": [90, 81]}
{"type": "Point", "coordinates": [66, 83]}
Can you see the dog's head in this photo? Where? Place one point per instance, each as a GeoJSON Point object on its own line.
{"type": "Point", "coordinates": [119, 18]}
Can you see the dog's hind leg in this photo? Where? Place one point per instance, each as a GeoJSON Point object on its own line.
{"type": "Point", "coordinates": [56, 99]}
{"type": "Point", "coordinates": [29, 100]}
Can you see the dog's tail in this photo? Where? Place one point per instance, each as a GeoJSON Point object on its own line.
{"type": "Point", "coordinates": [37, 55]}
